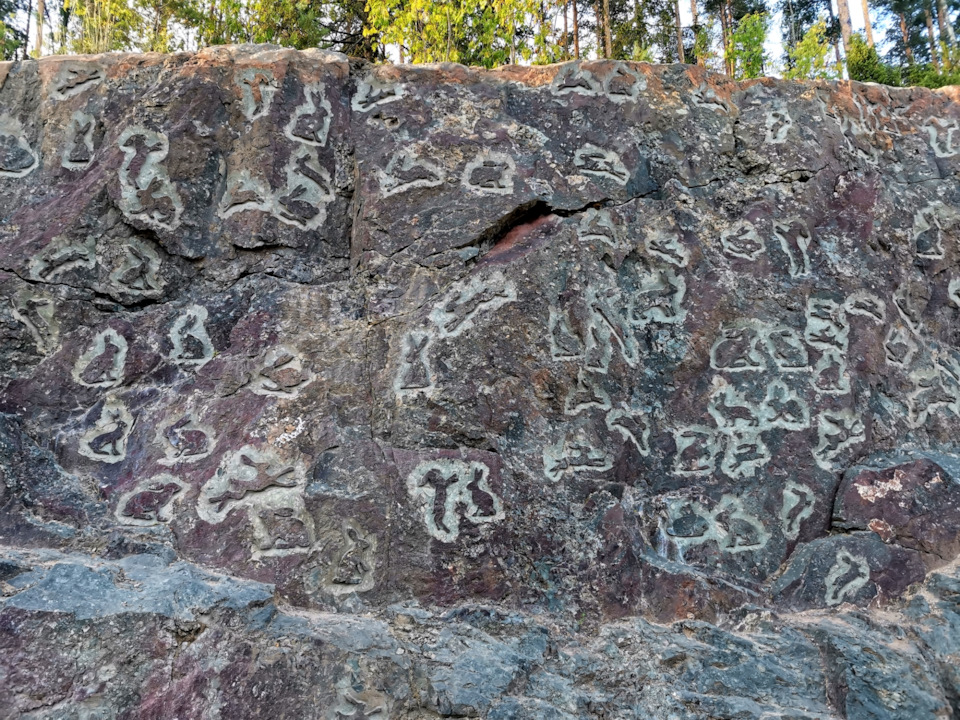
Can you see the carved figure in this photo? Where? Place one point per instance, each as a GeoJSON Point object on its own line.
{"type": "Point", "coordinates": [239, 488]}
{"type": "Point", "coordinates": [597, 226]}
{"type": "Point", "coordinates": [187, 444]}
{"type": "Point", "coordinates": [406, 171]}
{"type": "Point", "coordinates": [837, 431]}
{"type": "Point", "coordinates": [282, 374]}
{"type": "Point", "coordinates": [798, 504]}
{"type": "Point", "coordinates": [696, 450]}
{"type": "Point", "coordinates": [786, 348]}
{"type": "Point", "coordinates": [37, 314]}
{"type": "Point", "coordinates": [352, 567]}
{"type": "Point", "coordinates": [191, 345]}
{"type": "Point", "coordinates": [244, 192]}
{"type": "Point", "coordinates": [257, 88]}
{"type": "Point", "coordinates": [450, 492]}
{"type": "Point", "coordinates": [794, 238]}
{"type": "Point", "coordinates": [606, 164]}
{"type": "Point", "coordinates": [928, 232]}
{"type": "Point", "coordinates": [61, 256]}
{"type": "Point", "coordinates": [706, 97]}
{"type": "Point", "coordinates": [284, 529]}
{"type": "Point", "coordinates": [624, 84]}
{"type": "Point", "coordinates": [667, 245]}
{"type": "Point", "coordinates": [778, 123]}
{"type": "Point", "coordinates": [414, 374]}
{"type": "Point", "coordinates": [866, 305]}
{"type": "Point", "coordinates": [75, 78]}
{"type": "Point", "coordinates": [565, 344]}
{"type": "Point", "coordinates": [744, 453]}
{"type": "Point", "coordinates": [730, 409]}
{"type": "Point", "coordinates": [784, 408]}
{"type": "Point", "coordinates": [830, 374]}
{"type": "Point", "coordinates": [658, 299]}
{"type": "Point", "coordinates": [690, 523]}
{"type": "Point", "coordinates": [572, 78]}
{"type": "Point", "coordinates": [574, 453]}
{"type": "Point", "coordinates": [632, 426]}
{"type": "Point", "coordinates": [490, 172]}
{"type": "Point", "coordinates": [737, 349]}
{"type": "Point", "coordinates": [459, 311]}
{"type": "Point", "coordinates": [847, 576]}
{"type": "Point", "coordinates": [102, 363]}
{"type": "Point", "coordinates": [146, 191]}
{"type": "Point", "coordinates": [944, 134]}
{"type": "Point", "coordinates": [585, 394]}
{"type": "Point", "coordinates": [302, 201]}
{"type": "Point", "coordinates": [372, 92]}
{"type": "Point", "coordinates": [742, 240]}
{"type": "Point", "coordinates": [827, 325]}
{"type": "Point", "coordinates": [78, 149]}
{"type": "Point", "coordinates": [17, 158]}
{"type": "Point", "coordinates": [150, 501]}
{"type": "Point", "coordinates": [310, 122]}
{"type": "Point", "coordinates": [106, 441]}
{"type": "Point", "coordinates": [899, 346]}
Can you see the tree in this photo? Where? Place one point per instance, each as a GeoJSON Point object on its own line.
{"type": "Point", "coordinates": [12, 38]}
{"type": "Point", "coordinates": [865, 65]}
{"type": "Point", "coordinates": [846, 28]}
{"type": "Point", "coordinates": [808, 58]}
{"type": "Point", "coordinates": [745, 51]}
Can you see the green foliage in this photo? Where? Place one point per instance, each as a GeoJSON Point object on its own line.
{"type": "Point", "coordinates": [745, 46]}
{"type": "Point", "coordinates": [102, 25]}
{"type": "Point", "coordinates": [865, 65]}
{"type": "Point", "coordinates": [11, 37]}
{"type": "Point", "coordinates": [809, 57]}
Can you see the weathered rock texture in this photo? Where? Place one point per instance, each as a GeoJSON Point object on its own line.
{"type": "Point", "coordinates": [588, 391]}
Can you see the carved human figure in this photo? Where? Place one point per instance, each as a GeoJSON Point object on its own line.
{"type": "Point", "coordinates": [451, 492]}
{"type": "Point", "coordinates": [101, 365]}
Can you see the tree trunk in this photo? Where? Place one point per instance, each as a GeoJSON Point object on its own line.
{"type": "Point", "coordinates": [676, 12]}
{"type": "Point", "coordinates": [906, 38]}
{"type": "Point", "coordinates": [26, 34]}
{"type": "Point", "coordinates": [693, 13]}
{"type": "Point", "coordinates": [846, 29]}
{"type": "Point", "coordinates": [607, 39]}
{"type": "Point", "coordinates": [833, 19]}
{"type": "Point", "coordinates": [576, 32]}
{"type": "Point", "coordinates": [723, 37]}
{"type": "Point", "coordinates": [866, 22]}
{"type": "Point", "coordinates": [946, 27]}
{"type": "Point", "coordinates": [729, 11]}
{"type": "Point", "coordinates": [41, 11]}
{"type": "Point", "coordinates": [566, 34]}
{"type": "Point", "coordinates": [928, 13]}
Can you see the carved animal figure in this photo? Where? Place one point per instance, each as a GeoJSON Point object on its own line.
{"type": "Point", "coordinates": [375, 96]}
{"type": "Point", "coordinates": [573, 82]}
{"type": "Point", "coordinates": [579, 457]}
{"type": "Point", "coordinates": [416, 172]}
{"type": "Point", "coordinates": [186, 443]}
{"type": "Point", "coordinates": [310, 127]}
{"type": "Point", "coordinates": [30, 310]}
{"type": "Point", "coordinates": [480, 497]}
{"type": "Point", "coordinates": [440, 484]}
{"type": "Point", "coordinates": [155, 201]}
{"type": "Point", "coordinates": [351, 567]}
{"type": "Point", "coordinates": [464, 310]}
{"type": "Point", "coordinates": [238, 489]}
{"type": "Point", "coordinates": [110, 439]}
{"type": "Point", "coordinates": [297, 209]}
{"type": "Point", "coordinates": [76, 78]}
{"type": "Point", "coordinates": [80, 152]}
{"type": "Point", "coordinates": [142, 150]}
{"type": "Point", "coordinates": [417, 374]}
{"type": "Point", "coordinates": [735, 415]}
{"type": "Point", "coordinates": [621, 84]}
{"type": "Point", "coordinates": [58, 262]}
{"type": "Point", "coordinates": [284, 530]}
{"type": "Point", "coordinates": [137, 277]}
{"type": "Point", "coordinates": [147, 504]}
{"type": "Point", "coordinates": [192, 347]}
{"type": "Point", "coordinates": [598, 162]}
{"type": "Point", "coordinates": [281, 375]}
{"type": "Point", "coordinates": [102, 369]}
{"type": "Point", "coordinates": [256, 84]}
{"type": "Point", "coordinates": [303, 167]}
{"type": "Point", "coordinates": [490, 175]}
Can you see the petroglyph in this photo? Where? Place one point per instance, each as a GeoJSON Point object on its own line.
{"type": "Point", "coordinates": [666, 245]}
{"type": "Point", "coordinates": [372, 92]}
{"type": "Point", "coordinates": [139, 271]}
{"type": "Point", "coordinates": [573, 78]}
{"type": "Point", "coordinates": [777, 123]}
{"type": "Point", "coordinates": [406, 171]}
{"type": "Point", "coordinates": [596, 225]}
{"type": "Point", "coordinates": [944, 135]}
{"type": "Point", "coordinates": [185, 441]}
{"type": "Point", "coordinates": [257, 88]}
{"type": "Point", "coordinates": [490, 172]}
{"type": "Point", "coordinates": [847, 576]}
{"type": "Point", "coordinates": [830, 374]}
{"type": "Point", "coordinates": [565, 344]}
{"type": "Point", "coordinates": [270, 493]}
{"type": "Point", "coordinates": [192, 346]}
{"type": "Point", "coordinates": [837, 430]}
{"type": "Point", "coordinates": [786, 348]}
{"type": "Point", "coordinates": [658, 298]}
{"type": "Point", "coordinates": [38, 314]}
{"type": "Point", "coordinates": [624, 84]}
{"type": "Point", "coordinates": [730, 409]}
{"type": "Point", "coordinates": [934, 389]}
{"type": "Point", "coordinates": [867, 305]}
{"type": "Point", "coordinates": [310, 122]}
{"type": "Point", "coordinates": [903, 300]}
{"type": "Point", "coordinates": [62, 256]}
{"type": "Point", "coordinates": [245, 192]}
{"type": "Point", "coordinates": [78, 149]}
{"type": "Point", "coordinates": [928, 232]}
{"type": "Point", "coordinates": [696, 450]}
{"type": "Point", "coordinates": [742, 241]}
{"type": "Point", "coordinates": [744, 453]}
{"type": "Point", "coordinates": [587, 393]}
{"type": "Point", "coordinates": [737, 349]}
{"type": "Point", "coordinates": [17, 158]}
{"type": "Point", "coordinates": [706, 97]}
{"type": "Point", "coordinates": [633, 426]}
{"type": "Point", "coordinates": [282, 373]}
{"type": "Point", "coordinates": [448, 492]}
{"type": "Point", "coordinates": [106, 441]}
{"type": "Point", "coordinates": [151, 501]}
{"type": "Point", "coordinates": [460, 309]}
{"type": "Point", "coordinates": [102, 364]}
{"type": "Point", "coordinates": [602, 163]}
{"type": "Point", "coordinates": [690, 523]}
{"type": "Point", "coordinates": [146, 191]}
{"type": "Point", "coordinates": [784, 408]}
{"type": "Point", "coordinates": [899, 346]}
{"type": "Point", "coordinates": [302, 201]}
{"type": "Point", "coordinates": [794, 238]}
{"type": "Point", "coordinates": [798, 505]}
{"type": "Point", "coordinates": [414, 374]}
{"type": "Point", "coordinates": [353, 559]}
{"type": "Point", "coordinates": [572, 454]}
{"type": "Point", "coordinates": [606, 329]}
{"type": "Point", "coordinates": [74, 78]}
{"type": "Point", "coordinates": [827, 325]}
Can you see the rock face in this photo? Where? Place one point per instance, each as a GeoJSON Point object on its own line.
{"type": "Point", "coordinates": [596, 390]}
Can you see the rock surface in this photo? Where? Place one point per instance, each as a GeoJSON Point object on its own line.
{"type": "Point", "coordinates": [596, 390]}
